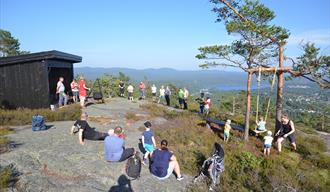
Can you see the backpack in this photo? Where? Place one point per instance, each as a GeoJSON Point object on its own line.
{"type": "Point", "coordinates": [38, 123]}
{"type": "Point", "coordinates": [133, 166]}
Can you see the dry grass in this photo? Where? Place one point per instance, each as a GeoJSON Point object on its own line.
{"type": "Point", "coordinates": [24, 116]}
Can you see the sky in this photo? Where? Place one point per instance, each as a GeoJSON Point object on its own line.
{"type": "Point", "coordinates": [147, 33]}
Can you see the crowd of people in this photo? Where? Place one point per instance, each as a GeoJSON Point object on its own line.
{"type": "Point", "coordinates": [162, 161]}
{"type": "Point", "coordinates": [79, 92]}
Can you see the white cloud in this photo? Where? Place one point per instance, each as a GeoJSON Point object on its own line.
{"type": "Point", "coordinates": [319, 37]}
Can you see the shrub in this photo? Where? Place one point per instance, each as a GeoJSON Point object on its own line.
{"type": "Point", "coordinates": [8, 176]}
{"type": "Point", "coordinates": [23, 116]}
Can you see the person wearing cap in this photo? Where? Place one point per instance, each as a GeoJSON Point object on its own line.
{"type": "Point", "coordinates": [268, 143]}
{"type": "Point", "coordinates": [114, 147]}
{"type": "Point", "coordinates": [148, 141]}
{"type": "Point", "coordinates": [226, 132]}
{"type": "Point", "coordinates": [164, 163]}
{"type": "Point", "coordinates": [85, 131]}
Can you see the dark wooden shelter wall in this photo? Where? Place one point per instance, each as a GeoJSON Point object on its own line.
{"type": "Point", "coordinates": [56, 69]}
{"type": "Point", "coordinates": [24, 85]}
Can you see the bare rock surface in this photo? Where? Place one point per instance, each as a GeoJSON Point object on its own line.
{"type": "Point", "coordinates": [53, 160]}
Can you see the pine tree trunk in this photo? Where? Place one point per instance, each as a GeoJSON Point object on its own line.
{"type": "Point", "coordinates": [279, 100]}
{"type": "Point", "coordinates": [248, 107]}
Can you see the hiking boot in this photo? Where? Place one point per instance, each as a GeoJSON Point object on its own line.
{"type": "Point", "coordinates": [179, 178]}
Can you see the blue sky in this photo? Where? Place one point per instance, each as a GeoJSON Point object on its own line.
{"type": "Point", "coordinates": [146, 34]}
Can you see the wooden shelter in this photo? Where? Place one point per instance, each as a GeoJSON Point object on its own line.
{"type": "Point", "coordinates": [30, 80]}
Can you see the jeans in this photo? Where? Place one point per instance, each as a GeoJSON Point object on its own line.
{"type": "Point", "coordinates": [62, 99]}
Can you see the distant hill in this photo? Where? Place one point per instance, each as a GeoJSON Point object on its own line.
{"type": "Point", "coordinates": [194, 80]}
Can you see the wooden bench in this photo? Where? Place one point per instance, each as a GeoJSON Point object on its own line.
{"type": "Point", "coordinates": [222, 123]}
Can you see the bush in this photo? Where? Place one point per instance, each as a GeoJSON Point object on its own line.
{"type": "Point", "coordinates": [23, 116]}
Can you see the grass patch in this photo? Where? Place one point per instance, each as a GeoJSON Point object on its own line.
{"type": "Point", "coordinates": [3, 140]}
{"type": "Point", "coordinates": [132, 116]}
{"type": "Point", "coordinates": [23, 116]}
{"type": "Point", "coordinates": [8, 176]}
{"type": "Point", "coordinates": [160, 111]}
{"type": "Point", "coordinates": [246, 169]}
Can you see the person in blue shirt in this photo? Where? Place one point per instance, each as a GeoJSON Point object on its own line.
{"type": "Point", "coordinates": [114, 147]}
{"type": "Point", "coordinates": [148, 141]}
{"type": "Point", "coordinates": [164, 163]}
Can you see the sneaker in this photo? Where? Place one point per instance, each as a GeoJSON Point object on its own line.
{"type": "Point", "coordinates": [144, 162]}
{"type": "Point", "coordinates": [179, 178]}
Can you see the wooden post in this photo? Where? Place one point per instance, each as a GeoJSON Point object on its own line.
{"type": "Point", "coordinates": [280, 83]}
{"type": "Point", "coordinates": [234, 105]}
{"type": "Point", "coordinates": [248, 107]}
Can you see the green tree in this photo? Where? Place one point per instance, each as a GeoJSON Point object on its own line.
{"type": "Point", "coordinates": [9, 45]}
{"type": "Point", "coordinates": [313, 66]}
{"type": "Point", "coordinates": [259, 43]}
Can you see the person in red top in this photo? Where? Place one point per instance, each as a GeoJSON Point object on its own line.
{"type": "Point", "coordinates": [142, 88]}
{"type": "Point", "coordinates": [82, 91]}
{"type": "Point", "coordinates": [75, 90]}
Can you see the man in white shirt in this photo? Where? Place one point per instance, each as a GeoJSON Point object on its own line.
{"type": "Point", "coordinates": [60, 90]}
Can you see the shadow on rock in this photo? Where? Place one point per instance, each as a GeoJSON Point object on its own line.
{"type": "Point", "coordinates": [124, 185]}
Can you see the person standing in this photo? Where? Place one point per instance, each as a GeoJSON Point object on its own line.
{"type": "Point", "coordinates": [142, 90]}
{"type": "Point", "coordinates": [75, 90]}
{"type": "Point", "coordinates": [207, 105]}
{"type": "Point", "coordinates": [148, 141]}
{"type": "Point", "coordinates": [201, 102]}
{"type": "Point", "coordinates": [130, 90]}
{"type": "Point", "coordinates": [286, 131]}
{"type": "Point", "coordinates": [168, 95]}
{"type": "Point", "coordinates": [121, 88]}
{"type": "Point", "coordinates": [185, 98]}
{"type": "Point", "coordinates": [181, 98]}
{"type": "Point", "coordinates": [226, 132]}
{"type": "Point", "coordinates": [161, 94]}
{"type": "Point", "coordinates": [60, 90]}
{"type": "Point", "coordinates": [268, 143]}
{"type": "Point", "coordinates": [82, 91]}
{"type": "Point", "coordinates": [154, 92]}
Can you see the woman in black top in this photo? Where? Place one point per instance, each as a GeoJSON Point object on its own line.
{"type": "Point", "coordinates": [286, 131]}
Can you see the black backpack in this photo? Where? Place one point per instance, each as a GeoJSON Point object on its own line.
{"type": "Point", "coordinates": [133, 166]}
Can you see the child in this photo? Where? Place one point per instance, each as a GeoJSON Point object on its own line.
{"type": "Point", "coordinates": [207, 105]}
{"type": "Point", "coordinates": [227, 130]}
{"type": "Point", "coordinates": [148, 141]}
{"type": "Point", "coordinates": [268, 143]}
{"type": "Point", "coordinates": [261, 124]}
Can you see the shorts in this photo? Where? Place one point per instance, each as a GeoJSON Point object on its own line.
{"type": "Point", "coordinates": [75, 93]}
{"type": "Point", "coordinates": [226, 134]}
{"type": "Point", "coordinates": [148, 147]}
{"type": "Point", "coordinates": [169, 173]}
{"type": "Point", "coordinates": [154, 94]}
{"type": "Point", "coordinates": [267, 146]}
{"type": "Point", "coordinates": [121, 90]}
{"type": "Point", "coordinates": [291, 138]}
{"type": "Point", "coordinates": [181, 101]}
{"type": "Point", "coordinates": [130, 94]}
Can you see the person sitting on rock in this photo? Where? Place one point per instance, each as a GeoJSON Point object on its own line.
{"type": "Point", "coordinates": [85, 131]}
{"type": "Point", "coordinates": [164, 163]}
{"type": "Point", "coordinates": [114, 147]}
